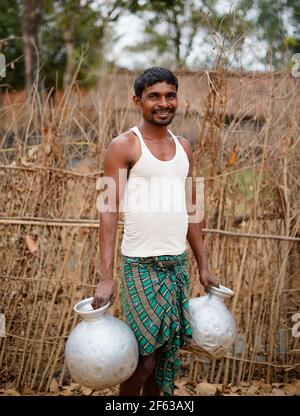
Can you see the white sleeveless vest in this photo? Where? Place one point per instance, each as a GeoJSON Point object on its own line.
{"type": "Point", "coordinates": [154, 204]}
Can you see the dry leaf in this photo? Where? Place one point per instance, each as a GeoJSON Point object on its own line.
{"type": "Point", "coordinates": [31, 243]}
{"type": "Point", "coordinates": [252, 390]}
{"type": "Point", "coordinates": [86, 391]}
{"type": "Point", "coordinates": [54, 386]}
{"type": "Point", "coordinates": [236, 389]}
{"type": "Point", "coordinates": [206, 389]}
{"type": "Point", "coordinates": [291, 390]}
{"type": "Point", "coordinates": [182, 392]}
{"type": "Point", "coordinates": [96, 393]}
{"type": "Point", "coordinates": [277, 385]}
{"type": "Point", "coordinates": [232, 159]}
{"type": "Point", "coordinates": [219, 387]}
{"type": "Point", "coordinates": [73, 386]}
{"type": "Point", "coordinates": [181, 382]}
{"type": "Point", "coordinates": [66, 392]}
{"type": "Point", "coordinates": [297, 384]}
{"type": "Point", "coordinates": [105, 391]}
{"type": "Point", "coordinates": [277, 392]}
{"type": "Point", "coordinates": [28, 392]}
{"type": "Point", "coordinates": [226, 389]}
{"type": "Point", "coordinates": [11, 392]}
{"type": "Point", "coordinates": [266, 388]}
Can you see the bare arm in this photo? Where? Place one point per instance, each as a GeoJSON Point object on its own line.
{"type": "Point", "coordinates": [115, 163]}
{"type": "Point", "coordinates": [194, 234]}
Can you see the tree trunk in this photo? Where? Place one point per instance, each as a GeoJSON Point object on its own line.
{"type": "Point", "coordinates": [68, 36]}
{"type": "Point", "coordinates": [31, 20]}
{"type": "Point", "coordinates": [177, 38]}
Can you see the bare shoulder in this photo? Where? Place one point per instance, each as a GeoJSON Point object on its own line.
{"type": "Point", "coordinates": [123, 145]}
{"type": "Point", "coordinates": [123, 141]}
{"type": "Point", "coordinates": [187, 146]}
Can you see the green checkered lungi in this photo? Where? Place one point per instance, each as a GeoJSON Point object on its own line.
{"type": "Point", "coordinates": [154, 293]}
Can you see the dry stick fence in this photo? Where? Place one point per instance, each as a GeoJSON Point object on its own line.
{"type": "Point", "coordinates": [59, 283]}
{"type": "Point", "coordinates": [252, 225]}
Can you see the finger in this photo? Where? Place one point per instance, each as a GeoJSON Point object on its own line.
{"type": "Point", "coordinates": [103, 302]}
{"type": "Point", "coordinates": [96, 303]}
{"type": "Point", "coordinates": [215, 282]}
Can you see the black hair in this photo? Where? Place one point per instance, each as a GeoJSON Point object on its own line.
{"type": "Point", "coordinates": [152, 76]}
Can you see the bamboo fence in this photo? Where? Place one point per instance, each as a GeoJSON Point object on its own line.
{"type": "Point", "coordinates": [51, 157]}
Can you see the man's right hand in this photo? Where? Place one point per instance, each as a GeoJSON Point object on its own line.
{"type": "Point", "coordinates": [105, 292]}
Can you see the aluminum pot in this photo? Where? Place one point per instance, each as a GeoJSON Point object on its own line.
{"type": "Point", "coordinates": [102, 350]}
{"type": "Point", "coordinates": [213, 326]}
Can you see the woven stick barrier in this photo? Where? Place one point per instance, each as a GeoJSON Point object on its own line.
{"type": "Point", "coordinates": [68, 222]}
{"type": "Point", "coordinates": [246, 146]}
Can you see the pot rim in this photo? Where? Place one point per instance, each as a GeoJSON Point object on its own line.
{"type": "Point", "coordinates": [222, 291]}
{"type": "Point", "coordinates": [81, 306]}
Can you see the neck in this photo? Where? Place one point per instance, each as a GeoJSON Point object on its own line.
{"type": "Point", "coordinates": [152, 130]}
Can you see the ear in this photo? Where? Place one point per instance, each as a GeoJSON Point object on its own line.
{"type": "Point", "coordinates": [137, 102]}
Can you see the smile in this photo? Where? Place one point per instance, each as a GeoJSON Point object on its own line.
{"type": "Point", "coordinates": [163, 112]}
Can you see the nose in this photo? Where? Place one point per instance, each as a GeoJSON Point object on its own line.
{"type": "Point", "coordinates": [163, 102]}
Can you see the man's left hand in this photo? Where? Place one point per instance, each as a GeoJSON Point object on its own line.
{"type": "Point", "coordinates": [207, 279]}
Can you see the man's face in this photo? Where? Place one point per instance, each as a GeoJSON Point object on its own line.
{"type": "Point", "coordinates": [158, 103]}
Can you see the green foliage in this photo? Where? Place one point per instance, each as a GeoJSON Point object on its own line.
{"type": "Point", "coordinates": [171, 27]}
{"type": "Point", "coordinates": [171, 30]}
{"type": "Point", "coordinates": [11, 42]}
{"type": "Point", "coordinates": [244, 181]}
{"type": "Point", "coordinates": [87, 36]}
{"type": "Point", "coordinates": [272, 23]}
{"type": "Point", "coordinates": [86, 22]}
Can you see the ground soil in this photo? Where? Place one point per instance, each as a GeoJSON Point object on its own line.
{"type": "Point", "coordinates": [183, 388]}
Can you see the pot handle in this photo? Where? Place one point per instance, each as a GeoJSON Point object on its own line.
{"type": "Point", "coordinates": [84, 308]}
{"type": "Point", "coordinates": [221, 291]}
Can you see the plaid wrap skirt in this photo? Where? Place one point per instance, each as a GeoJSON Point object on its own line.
{"type": "Point", "coordinates": [154, 294]}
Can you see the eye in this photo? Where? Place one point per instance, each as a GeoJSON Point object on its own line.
{"type": "Point", "coordinates": [152, 96]}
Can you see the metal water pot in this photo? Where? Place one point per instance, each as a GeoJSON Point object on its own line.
{"type": "Point", "coordinates": [213, 326]}
{"type": "Point", "coordinates": [102, 350]}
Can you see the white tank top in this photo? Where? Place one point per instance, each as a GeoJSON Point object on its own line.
{"type": "Point", "coordinates": [154, 204]}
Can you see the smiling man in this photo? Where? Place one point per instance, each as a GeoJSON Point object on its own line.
{"type": "Point", "coordinates": [154, 267]}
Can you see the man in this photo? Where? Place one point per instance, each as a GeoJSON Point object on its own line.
{"type": "Point", "coordinates": [154, 269]}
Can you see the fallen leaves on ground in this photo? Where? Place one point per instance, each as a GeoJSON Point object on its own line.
{"type": "Point", "coordinates": [182, 388]}
{"type": "Point", "coordinates": [54, 386]}
{"type": "Point", "coordinates": [11, 392]}
{"type": "Point", "coordinates": [206, 389]}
